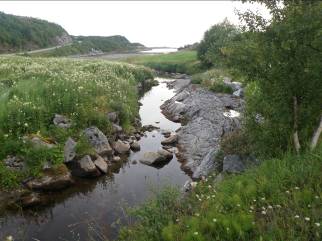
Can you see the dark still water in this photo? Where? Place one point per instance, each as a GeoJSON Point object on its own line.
{"type": "Point", "coordinates": [94, 209]}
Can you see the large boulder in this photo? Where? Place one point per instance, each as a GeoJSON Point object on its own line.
{"type": "Point", "coordinates": [170, 140]}
{"type": "Point", "coordinates": [62, 121]}
{"type": "Point", "coordinates": [101, 164]}
{"type": "Point", "coordinates": [121, 147]}
{"type": "Point", "coordinates": [84, 167]}
{"type": "Point", "coordinates": [51, 181]}
{"type": "Point", "coordinates": [69, 150]}
{"type": "Point", "coordinates": [207, 164]}
{"type": "Point", "coordinates": [239, 93]}
{"type": "Point", "coordinates": [99, 141]}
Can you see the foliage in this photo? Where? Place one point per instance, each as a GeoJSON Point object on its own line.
{"type": "Point", "coordinates": [213, 79]}
{"type": "Point", "coordinates": [88, 44]}
{"type": "Point", "coordinates": [211, 48]}
{"type": "Point", "coordinates": [33, 90]}
{"type": "Point", "coordinates": [153, 216]}
{"type": "Point", "coordinates": [23, 33]}
{"type": "Point", "coordinates": [178, 62]}
{"type": "Point", "coordinates": [280, 200]}
{"type": "Point", "coordinates": [282, 58]}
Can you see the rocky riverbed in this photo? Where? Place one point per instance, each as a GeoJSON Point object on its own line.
{"type": "Point", "coordinates": [206, 116]}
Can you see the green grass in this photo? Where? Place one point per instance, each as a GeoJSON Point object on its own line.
{"type": "Point", "coordinates": [178, 62]}
{"type": "Point", "coordinates": [213, 79]}
{"type": "Point", "coordinates": [32, 90]}
{"type": "Point", "coordinates": [279, 200]}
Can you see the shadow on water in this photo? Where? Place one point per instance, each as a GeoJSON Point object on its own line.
{"type": "Point", "coordinates": [94, 208]}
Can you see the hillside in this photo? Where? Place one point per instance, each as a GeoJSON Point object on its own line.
{"type": "Point", "coordinates": [25, 33]}
{"type": "Point", "coordinates": [93, 45]}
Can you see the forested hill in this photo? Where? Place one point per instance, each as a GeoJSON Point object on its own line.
{"type": "Point", "coordinates": [93, 45]}
{"type": "Point", "coordinates": [25, 33]}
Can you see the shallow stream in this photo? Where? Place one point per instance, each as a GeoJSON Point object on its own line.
{"type": "Point", "coordinates": [94, 208]}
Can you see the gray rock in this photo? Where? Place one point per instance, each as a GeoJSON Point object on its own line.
{"type": "Point", "coordinates": [62, 121]}
{"type": "Point", "coordinates": [170, 140]}
{"type": "Point", "coordinates": [239, 93]}
{"type": "Point", "coordinates": [14, 163]}
{"type": "Point", "coordinates": [113, 117]}
{"type": "Point", "coordinates": [38, 142]}
{"type": "Point", "coordinates": [153, 158]}
{"type": "Point", "coordinates": [51, 182]}
{"type": "Point", "coordinates": [99, 141]}
{"type": "Point", "coordinates": [204, 123]}
{"type": "Point", "coordinates": [101, 164]}
{"type": "Point", "coordinates": [149, 128]}
{"type": "Point", "coordinates": [69, 150]}
{"type": "Point", "coordinates": [137, 136]}
{"type": "Point", "coordinates": [121, 147]}
{"type": "Point", "coordinates": [135, 146]}
{"type": "Point", "coordinates": [166, 154]}
{"type": "Point", "coordinates": [85, 167]}
{"type": "Point", "coordinates": [208, 163]}
{"type": "Point", "coordinates": [233, 164]}
{"type": "Point", "coordinates": [116, 128]}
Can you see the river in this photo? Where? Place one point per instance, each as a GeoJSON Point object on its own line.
{"type": "Point", "coordinates": [94, 208]}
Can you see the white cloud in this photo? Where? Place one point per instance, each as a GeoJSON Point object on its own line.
{"type": "Point", "coordinates": [154, 23]}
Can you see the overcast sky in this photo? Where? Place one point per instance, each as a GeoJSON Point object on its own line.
{"type": "Point", "coordinates": [154, 23]}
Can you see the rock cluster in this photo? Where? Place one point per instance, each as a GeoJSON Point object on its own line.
{"type": "Point", "coordinates": [202, 113]}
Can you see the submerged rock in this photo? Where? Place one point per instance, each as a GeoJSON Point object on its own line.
{"type": "Point", "coordinates": [166, 154]}
{"type": "Point", "coordinates": [116, 159]}
{"type": "Point", "coordinates": [99, 141]}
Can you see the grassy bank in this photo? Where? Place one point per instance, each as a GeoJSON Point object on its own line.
{"type": "Point", "coordinates": [180, 62]}
{"type": "Point", "coordinates": [279, 200]}
{"type": "Point", "coordinates": [33, 90]}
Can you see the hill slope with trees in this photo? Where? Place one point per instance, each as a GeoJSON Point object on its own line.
{"type": "Point", "coordinates": [25, 33]}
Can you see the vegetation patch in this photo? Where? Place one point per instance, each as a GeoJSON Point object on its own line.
{"type": "Point", "coordinates": [178, 62]}
{"type": "Point", "coordinates": [33, 90]}
{"type": "Point", "coordinates": [280, 200]}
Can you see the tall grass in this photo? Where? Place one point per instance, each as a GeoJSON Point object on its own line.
{"type": "Point", "coordinates": [178, 62]}
{"type": "Point", "coordinates": [280, 200]}
{"type": "Point", "coordinates": [32, 90]}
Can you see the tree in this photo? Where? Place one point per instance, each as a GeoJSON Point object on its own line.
{"type": "Point", "coordinates": [210, 49]}
{"type": "Point", "coordinates": [284, 62]}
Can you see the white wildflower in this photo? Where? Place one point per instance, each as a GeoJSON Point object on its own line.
{"type": "Point", "coordinates": [317, 224]}
{"type": "Point", "coordinates": [307, 219]}
{"type": "Point", "coordinates": [296, 216]}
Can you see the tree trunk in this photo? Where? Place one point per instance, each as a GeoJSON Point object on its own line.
{"type": "Point", "coordinates": [295, 127]}
{"type": "Point", "coordinates": [316, 135]}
